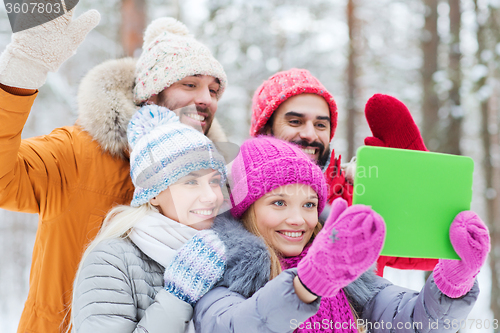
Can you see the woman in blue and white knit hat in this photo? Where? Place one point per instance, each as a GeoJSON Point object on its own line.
{"type": "Point", "coordinates": [126, 281]}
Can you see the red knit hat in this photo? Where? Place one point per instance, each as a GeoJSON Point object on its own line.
{"type": "Point", "coordinates": [280, 87]}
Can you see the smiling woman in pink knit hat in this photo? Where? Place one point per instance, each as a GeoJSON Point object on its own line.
{"type": "Point", "coordinates": [320, 280]}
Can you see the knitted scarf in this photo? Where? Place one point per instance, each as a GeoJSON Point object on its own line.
{"type": "Point", "coordinates": [160, 237]}
{"type": "Point", "coordinates": [333, 311]}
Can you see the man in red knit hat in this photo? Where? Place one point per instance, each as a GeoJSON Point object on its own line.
{"type": "Point", "coordinates": [294, 106]}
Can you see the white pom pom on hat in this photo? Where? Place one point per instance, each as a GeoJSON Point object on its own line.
{"type": "Point", "coordinates": [161, 25]}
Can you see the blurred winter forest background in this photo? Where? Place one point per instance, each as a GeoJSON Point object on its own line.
{"type": "Point", "coordinates": [441, 58]}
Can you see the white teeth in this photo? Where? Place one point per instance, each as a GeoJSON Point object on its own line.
{"type": "Point", "coordinates": [292, 234]}
{"type": "Point", "coordinates": [309, 151]}
{"type": "Point", "coordinates": [203, 212]}
{"type": "Point", "coordinates": [195, 116]}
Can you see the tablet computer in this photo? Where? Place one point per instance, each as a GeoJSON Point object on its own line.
{"type": "Point", "coordinates": [418, 194]}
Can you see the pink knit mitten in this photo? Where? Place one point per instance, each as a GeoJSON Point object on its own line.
{"type": "Point", "coordinates": [470, 239]}
{"type": "Point", "coordinates": [349, 243]}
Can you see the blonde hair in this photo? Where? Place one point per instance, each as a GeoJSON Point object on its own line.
{"type": "Point", "coordinates": [249, 220]}
{"type": "Point", "coordinates": [118, 223]}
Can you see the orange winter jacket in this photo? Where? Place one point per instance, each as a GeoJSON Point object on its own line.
{"type": "Point", "coordinates": [71, 182]}
{"type": "Point", "coordinates": [71, 178]}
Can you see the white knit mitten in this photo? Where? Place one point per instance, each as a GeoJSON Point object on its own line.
{"type": "Point", "coordinates": [32, 53]}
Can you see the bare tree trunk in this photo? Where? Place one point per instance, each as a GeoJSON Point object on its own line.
{"type": "Point", "coordinates": [430, 103]}
{"type": "Point", "coordinates": [351, 78]}
{"type": "Point", "coordinates": [177, 10]}
{"type": "Point", "coordinates": [133, 25]}
{"type": "Point", "coordinates": [491, 146]}
{"type": "Point", "coordinates": [451, 140]}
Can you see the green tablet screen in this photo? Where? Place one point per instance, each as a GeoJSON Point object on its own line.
{"type": "Point", "coordinates": [418, 194]}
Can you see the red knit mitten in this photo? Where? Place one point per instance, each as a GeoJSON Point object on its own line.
{"type": "Point", "coordinates": [391, 124]}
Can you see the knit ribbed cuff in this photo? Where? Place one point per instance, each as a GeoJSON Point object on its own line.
{"type": "Point", "coordinates": [16, 70]}
{"type": "Point", "coordinates": [308, 290]}
{"type": "Point", "coordinates": [316, 283]}
{"type": "Point", "coordinates": [180, 294]}
{"type": "Point", "coordinates": [450, 288]}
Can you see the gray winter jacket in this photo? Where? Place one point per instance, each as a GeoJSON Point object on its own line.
{"type": "Point", "coordinates": [120, 289]}
{"type": "Point", "coordinates": [383, 307]}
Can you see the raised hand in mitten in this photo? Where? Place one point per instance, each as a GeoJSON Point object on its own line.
{"type": "Point", "coordinates": [345, 248]}
{"type": "Point", "coordinates": [391, 124]}
{"type": "Point", "coordinates": [34, 52]}
{"type": "Point", "coordinates": [470, 239]}
{"type": "Point", "coordinates": [197, 267]}
{"type": "Point", "coordinates": [339, 185]}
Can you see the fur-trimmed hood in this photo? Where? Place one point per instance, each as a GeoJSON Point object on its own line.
{"type": "Point", "coordinates": [248, 264]}
{"type": "Point", "coordinates": [105, 105]}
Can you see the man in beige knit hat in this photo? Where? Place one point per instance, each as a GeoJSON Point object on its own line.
{"type": "Point", "coordinates": [176, 70]}
{"type": "Point", "coordinates": [74, 175]}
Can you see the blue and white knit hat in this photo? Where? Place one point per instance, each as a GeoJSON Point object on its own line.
{"type": "Point", "coordinates": [165, 150]}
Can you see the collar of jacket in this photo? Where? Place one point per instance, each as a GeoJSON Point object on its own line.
{"type": "Point", "coordinates": [105, 106]}
{"type": "Point", "coordinates": [248, 264]}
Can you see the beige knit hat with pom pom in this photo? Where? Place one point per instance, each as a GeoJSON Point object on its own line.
{"type": "Point", "coordinates": [170, 54]}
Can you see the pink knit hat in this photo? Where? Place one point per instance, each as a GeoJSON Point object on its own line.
{"type": "Point", "coordinates": [266, 163]}
{"type": "Point", "coordinates": [280, 87]}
